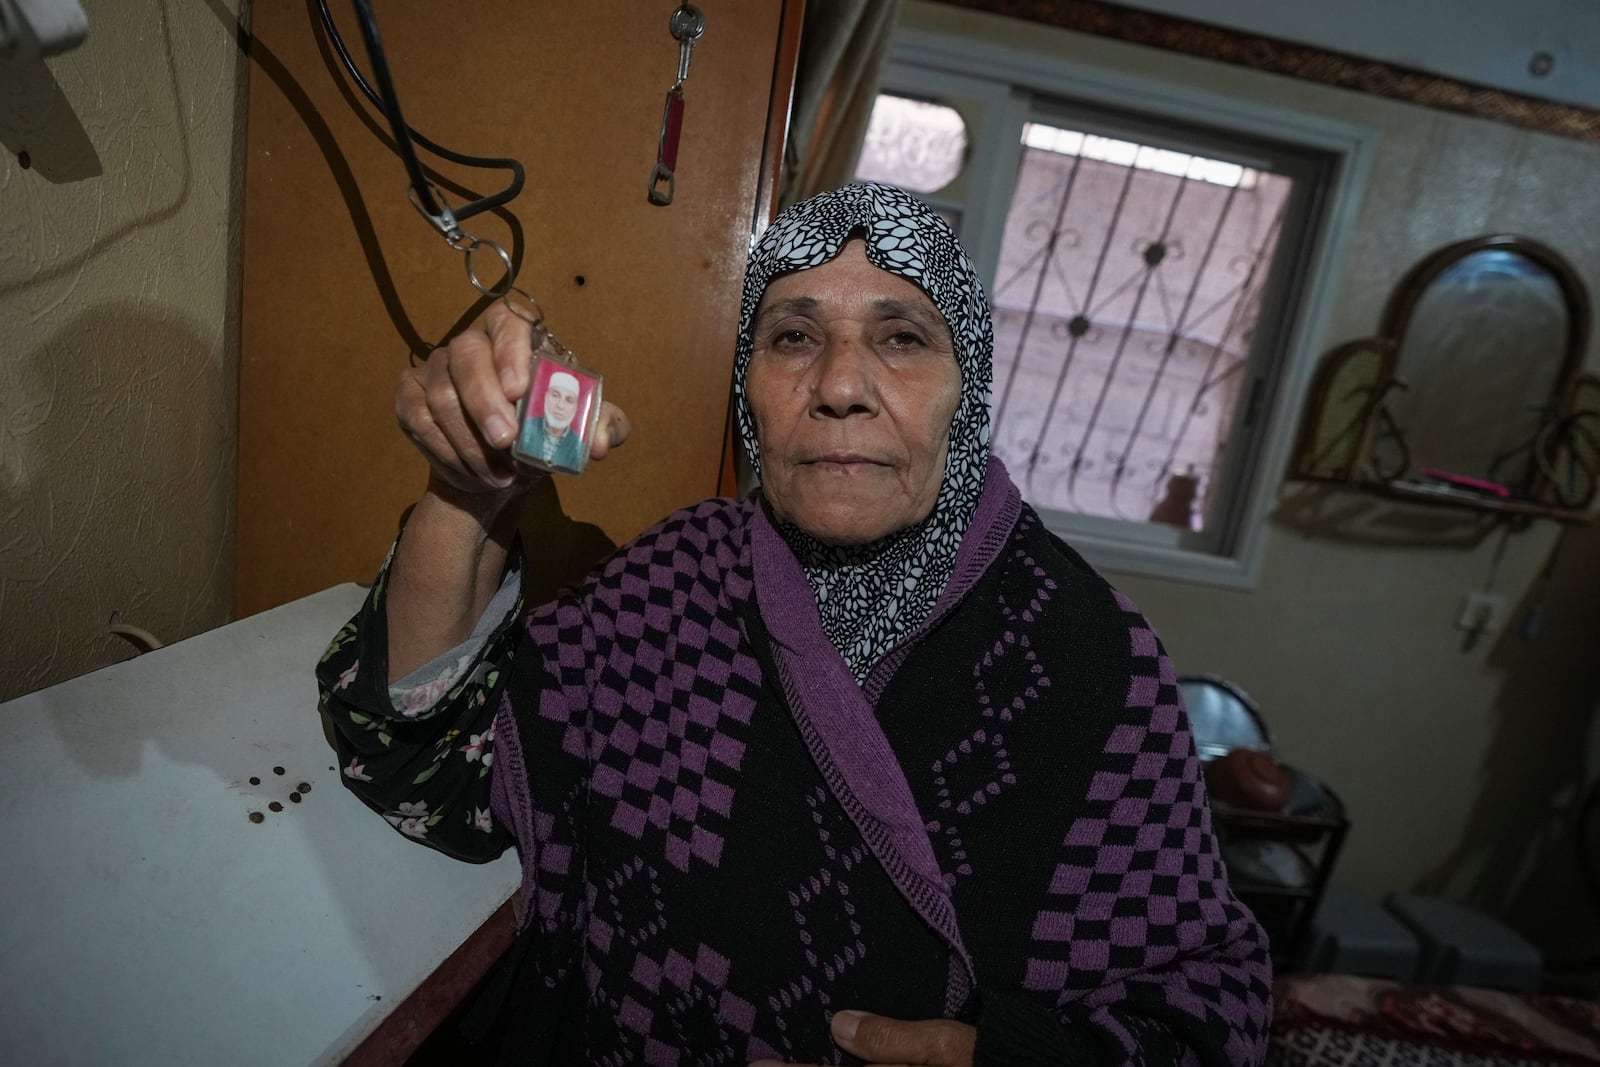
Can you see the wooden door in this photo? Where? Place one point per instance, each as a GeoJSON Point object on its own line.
{"type": "Point", "coordinates": [343, 280]}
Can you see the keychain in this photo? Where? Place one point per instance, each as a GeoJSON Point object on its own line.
{"type": "Point", "coordinates": [686, 24]}
{"type": "Point", "coordinates": [558, 414]}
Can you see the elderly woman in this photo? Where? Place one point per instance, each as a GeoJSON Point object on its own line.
{"type": "Point", "coordinates": [869, 765]}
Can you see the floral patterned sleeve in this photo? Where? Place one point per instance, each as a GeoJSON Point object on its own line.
{"type": "Point", "coordinates": [420, 753]}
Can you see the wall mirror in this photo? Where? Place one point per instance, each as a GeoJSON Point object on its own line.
{"type": "Point", "coordinates": [1473, 391]}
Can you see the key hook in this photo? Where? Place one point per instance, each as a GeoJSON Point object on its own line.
{"type": "Point", "coordinates": [686, 24]}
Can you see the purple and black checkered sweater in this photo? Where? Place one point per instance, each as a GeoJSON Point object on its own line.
{"type": "Point", "coordinates": [725, 839]}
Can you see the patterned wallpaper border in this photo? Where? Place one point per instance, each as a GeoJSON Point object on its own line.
{"type": "Point", "coordinates": [1301, 61]}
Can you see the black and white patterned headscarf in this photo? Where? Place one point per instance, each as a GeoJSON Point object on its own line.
{"type": "Point", "coordinates": [872, 596]}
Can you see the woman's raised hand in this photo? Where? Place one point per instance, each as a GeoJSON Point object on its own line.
{"type": "Point", "coordinates": [460, 407]}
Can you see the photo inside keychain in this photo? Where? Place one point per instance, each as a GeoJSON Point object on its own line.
{"type": "Point", "coordinates": [558, 416]}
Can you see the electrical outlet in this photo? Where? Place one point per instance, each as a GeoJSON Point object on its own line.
{"type": "Point", "coordinates": [1481, 613]}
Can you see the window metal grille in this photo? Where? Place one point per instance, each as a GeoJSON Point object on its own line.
{"type": "Point", "coordinates": [1126, 301]}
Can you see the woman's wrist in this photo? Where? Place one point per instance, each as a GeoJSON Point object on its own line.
{"type": "Point", "coordinates": [446, 569]}
{"type": "Point", "coordinates": [483, 516]}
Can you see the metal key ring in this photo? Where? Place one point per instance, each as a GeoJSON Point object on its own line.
{"type": "Point", "coordinates": [536, 318]}
{"type": "Point", "coordinates": [506, 284]}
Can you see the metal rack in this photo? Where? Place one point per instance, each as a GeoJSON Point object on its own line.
{"type": "Point", "coordinates": [1279, 865]}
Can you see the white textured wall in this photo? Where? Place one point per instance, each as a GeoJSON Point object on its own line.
{"type": "Point", "coordinates": [117, 336]}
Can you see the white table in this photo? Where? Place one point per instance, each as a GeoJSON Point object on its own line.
{"type": "Point", "coordinates": [145, 919]}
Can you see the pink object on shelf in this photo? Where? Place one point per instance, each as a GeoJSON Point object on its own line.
{"type": "Point", "coordinates": [1461, 481]}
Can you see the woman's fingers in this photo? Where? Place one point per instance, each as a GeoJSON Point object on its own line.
{"type": "Point", "coordinates": [476, 376]}
{"type": "Point", "coordinates": [514, 340]}
{"type": "Point", "coordinates": [451, 405]}
{"type": "Point", "coordinates": [460, 408]}
{"type": "Point", "coordinates": [411, 409]}
{"type": "Point", "coordinates": [466, 359]}
{"type": "Point", "coordinates": [416, 421]}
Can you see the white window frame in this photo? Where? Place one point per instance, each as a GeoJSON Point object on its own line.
{"type": "Point", "coordinates": [989, 83]}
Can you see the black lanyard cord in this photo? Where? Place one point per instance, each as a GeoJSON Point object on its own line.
{"type": "Point", "coordinates": [387, 101]}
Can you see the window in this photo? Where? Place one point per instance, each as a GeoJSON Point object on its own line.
{"type": "Point", "coordinates": [1127, 297]}
{"type": "Point", "coordinates": [1154, 274]}
{"type": "Point", "coordinates": [915, 144]}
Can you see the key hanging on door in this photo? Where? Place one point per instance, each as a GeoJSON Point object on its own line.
{"type": "Point", "coordinates": [686, 24]}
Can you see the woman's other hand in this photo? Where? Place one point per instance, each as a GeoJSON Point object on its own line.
{"type": "Point", "coordinates": [460, 407]}
{"type": "Point", "coordinates": [882, 1041]}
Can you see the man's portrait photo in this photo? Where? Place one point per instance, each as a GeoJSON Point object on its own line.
{"type": "Point", "coordinates": [556, 416]}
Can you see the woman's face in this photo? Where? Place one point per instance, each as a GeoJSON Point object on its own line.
{"type": "Point", "coordinates": [852, 385]}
